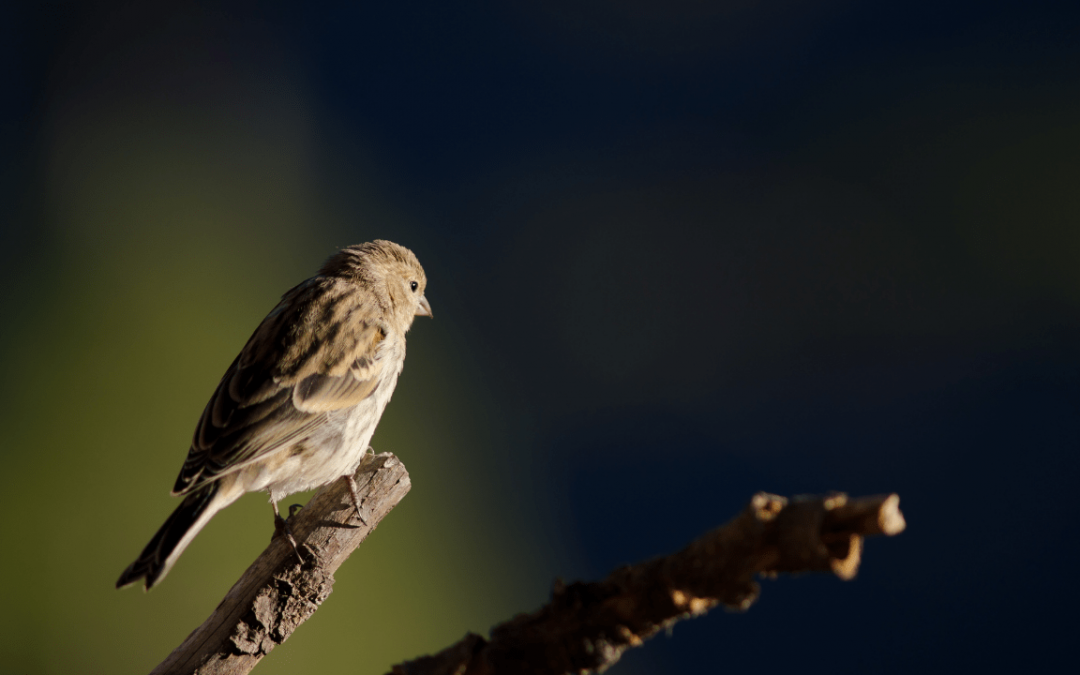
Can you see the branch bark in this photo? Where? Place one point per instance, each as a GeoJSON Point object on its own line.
{"type": "Point", "coordinates": [276, 594]}
{"type": "Point", "coordinates": [587, 626]}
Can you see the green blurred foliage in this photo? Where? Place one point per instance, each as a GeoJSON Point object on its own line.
{"type": "Point", "coordinates": [163, 251]}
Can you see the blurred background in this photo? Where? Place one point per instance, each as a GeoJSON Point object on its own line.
{"type": "Point", "coordinates": [678, 252]}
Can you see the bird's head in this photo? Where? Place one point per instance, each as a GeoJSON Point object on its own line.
{"type": "Point", "coordinates": [391, 271]}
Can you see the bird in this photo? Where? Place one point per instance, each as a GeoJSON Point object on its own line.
{"type": "Point", "coordinates": [298, 406]}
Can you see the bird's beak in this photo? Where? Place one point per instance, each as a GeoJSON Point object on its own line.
{"type": "Point", "coordinates": [424, 309]}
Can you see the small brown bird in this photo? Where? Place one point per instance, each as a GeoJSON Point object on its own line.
{"type": "Point", "coordinates": [297, 407]}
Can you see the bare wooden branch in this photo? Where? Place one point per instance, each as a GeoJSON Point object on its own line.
{"type": "Point", "coordinates": [276, 594]}
{"type": "Point", "coordinates": [587, 626]}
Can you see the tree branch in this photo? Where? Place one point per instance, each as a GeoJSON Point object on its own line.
{"type": "Point", "coordinates": [276, 594]}
{"type": "Point", "coordinates": [587, 626]}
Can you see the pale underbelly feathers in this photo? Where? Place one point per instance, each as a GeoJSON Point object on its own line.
{"type": "Point", "coordinates": [334, 449]}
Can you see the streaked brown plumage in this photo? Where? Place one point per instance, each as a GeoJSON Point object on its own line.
{"type": "Point", "coordinates": [297, 407]}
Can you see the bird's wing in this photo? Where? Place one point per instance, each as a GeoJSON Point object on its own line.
{"type": "Point", "coordinates": [316, 352]}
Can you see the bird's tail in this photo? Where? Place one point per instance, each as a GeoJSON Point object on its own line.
{"type": "Point", "coordinates": [174, 536]}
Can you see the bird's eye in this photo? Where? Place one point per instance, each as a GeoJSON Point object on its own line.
{"type": "Point", "coordinates": [413, 285]}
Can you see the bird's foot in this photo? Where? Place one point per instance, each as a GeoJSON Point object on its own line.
{"type": "Point", "coordinates": [355, 492]}
{"type": "Point", "coordinates": [281, 527]}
